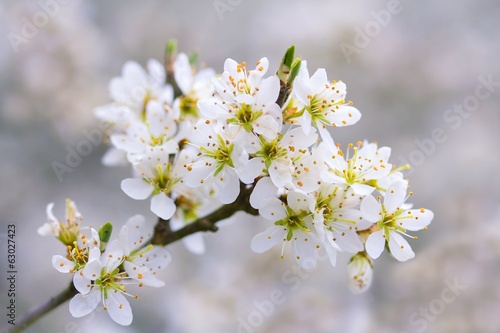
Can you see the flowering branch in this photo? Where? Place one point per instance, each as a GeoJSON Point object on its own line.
{"type": "Point", "coordinates": [205, 146]}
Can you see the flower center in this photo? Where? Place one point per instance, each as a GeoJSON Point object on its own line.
{"type": "Point", "coordinates": [188, 108]}
{"type": "Point", "coordinates": [271, 150]}
{"type": "Point", "coordinates": [109, 281]}
{"type": "Point", "coordinates": [163, 180]}
{"type": "Point", "coordinates": [293, 221]}
{"type": "Point", "coordinates": [222, 154]}
{"type": "Point", "coordinates": [245, 116]}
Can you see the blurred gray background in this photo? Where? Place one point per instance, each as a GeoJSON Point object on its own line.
{"type": "Point", "coordinates": [417, 76]}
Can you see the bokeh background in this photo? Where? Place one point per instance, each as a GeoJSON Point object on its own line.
{"type": "Point", "coordinates": [405, 77]}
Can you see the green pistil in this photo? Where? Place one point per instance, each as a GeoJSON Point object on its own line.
{"type": "Point", "coordinates": [270, 150]}
{"type": "Point", "coordinates": [245, 117]}
{"type": "Point", "coordinates": [78, 256]}
{"type": "Point", "coordinates": [316, 109]}
{"type": "Point", "coordinates": [390, 222]}
{"type": "Point", "coordinates": [139, 252]}
{"type": "Point", "coordinates": [351, 174]}
{"type": "Point", "coordinates": [107, 282]}
{"type": "Point", "coordinates": [188, 208]}
{"type": "Point", "coordinates": [157, 141]}
{"type": "Point", "coordinates": [162, 180]}
{"type": "Point", "coordinates": [188, 107]}
{"type": "Point", "coordinates": [293, 222]}
{"type": "Point", "coordinates": [145, 101]}
{"type": "Point", "coordinates": [222, 155]}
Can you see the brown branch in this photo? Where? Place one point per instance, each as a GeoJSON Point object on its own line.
{"type": "Point", "coordinates": [163, 237]}
{"type": "Point", "coordinates": [37, 313]}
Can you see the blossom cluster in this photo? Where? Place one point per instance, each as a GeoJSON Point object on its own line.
{"type": "Point", "coordinates": [194, 137]}
{"type": "Point", "coordinates": [102, 271]}
{"type": "Point", "coordinates": [198, 141]}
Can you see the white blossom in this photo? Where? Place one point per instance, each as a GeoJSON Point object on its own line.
{"type": "Point", "coordinates": [159, 177]}
{"type": "Point", "coordinates": [69, 230]}
{"type": "Point", "coordinates": [337, 219]}
{"type": "Point", "coordinates": [322, 103]}
{"type": "Point", "coordinates": [292, 224]}
{"type": "Point", "coordinates": [216, 163]}
{"type": "Point", "coordinates": [359, 273]}
{"type": "Point", "coordinates": [361, 171]}
{"type": "Point", "coordinates": [107, 286]}
{"type": "Point", "coordinates": [392, 222]}
{"type": "Point", "coordinates": [142, 261]}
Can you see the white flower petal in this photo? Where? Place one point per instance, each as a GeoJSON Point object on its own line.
{"type": "Point", "coordinates": [399, 247]}
{"type": "Point", "coordinates": [274, 210]}
{"type": "Point", "coordinates": [82, 305]}
{"type": "Point", "coordinates": [198, 173]}
{"type": "Point", "coordinates": [280, 173]}
{"type": "Point", "coordinates": [245, 99]}
{"type": "Point", "coordinates": [195, 243]}
{"type": "Point", "coordinates": [127, 144]}
{"type": "Point", "coordinates": [420, 218]}
{"type": "Point", "coordinates": [268, 91]}
{"type": "Point", "coordinates": [267, 239]}
{"type": "Point", "coordinates": [298, 139]}
{"type": "Point", "coordinates": [298, 201]}
{"type": "Point", "coordinates": [134, 74]}
{"type": "Point", "coordinates": [46, 230]}
{"type": "Point", "coordinates": [158, 120]}
{"type": "Point", "coordinates": [112, 256]}
{"type": "Point", "coordinates": [92, 269]}
{"type": "Point", "coordinates": [304, 249]}
{"type": "Point", "coordinates": [251, 170]}
{"type": "Point", "coordinates": [262, 192]}
{"type": "Point", "coordinates": [332, 254]}
{"type": "Point", "coordinates": [183, 73]}
{"type": "Point", "coordinates": [301, 90]}
{"type": "Point", "coordinates": [318, 80]}
{"type": "Point", "coordinates": [163, 206]}
{"type": "Point", "coordinates": [305, 121]}
{"type": "Point", "coordinates": [370, 208]}
{"type": "Point", "coordinates": [52, 227]}
{"type": "Point", "coordinates": [325, 136]}
{"type": "Point", "coordinates": [344, 115]}
{"type": "Point", "coordinates": [62, 264]}
{"type": "Point", "coordinates": [360, 274]}
{"type": "Point", "coordinates": [375, 244]}
{"type": "Point", "coordinates": [114, 157]}
{"type": "Point", "coordinates": [143, 275]}
{"type": "Point", "coordinates": [348, 241]}
{"type": "Point", "coordinates": [136, 188]}
{"type": "Point", "coordinates": [228, 184]}
{"type": "Point", "coordinates": [156, 71]}
{"type": "Point", "coordinates": [81, 283]}
{"type": "Point", "coordinates": [267, 126]}
{"type": "Point", "coordinates": [119, 308]}
{"type": "Point", "coordinates": [133, 234]}
{"type": "Point", "coordinates": [395, 195]}
{"type": "Point", "coordinates": [362, 189]}
{"type": "Point", "coordinates": [156, 259]}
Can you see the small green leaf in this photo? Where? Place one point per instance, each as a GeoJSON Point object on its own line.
{"type": "Point", "coordinates": [193, 58]}
{"type": "Point", "coordinates": [294, 70]}
{"type": "Point", "coordinates": [105, 232]}
{"type": "Point", "coordinates": [288, 57]}
{"type": "Point", "coordinates": [171, 48]}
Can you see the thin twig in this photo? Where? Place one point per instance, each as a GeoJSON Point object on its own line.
{"type": "Point", "coordinates": [37, 313]}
